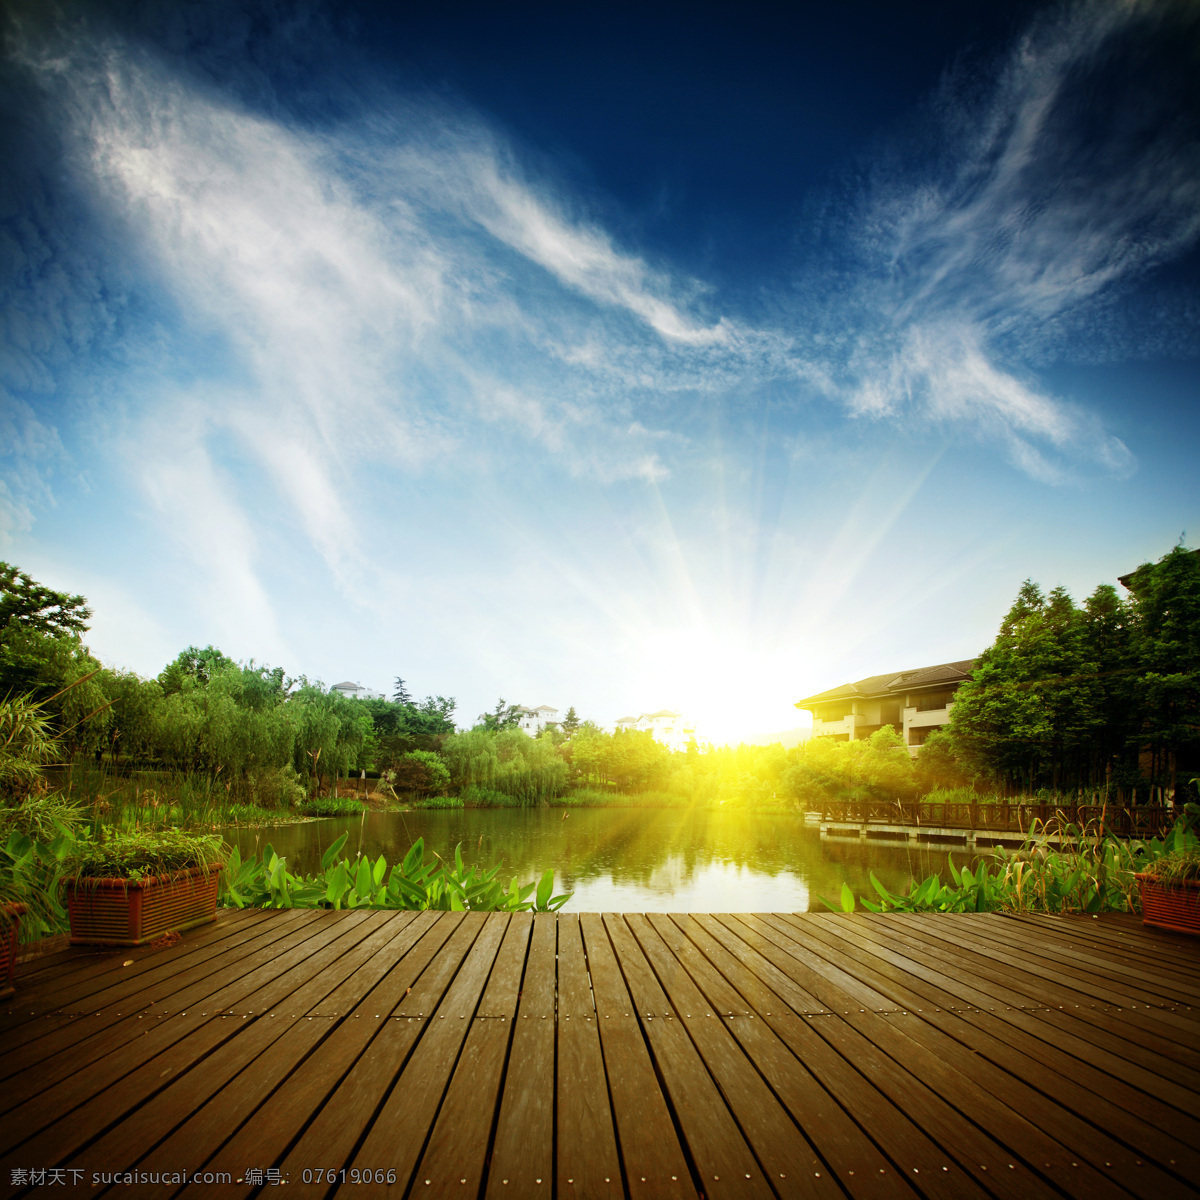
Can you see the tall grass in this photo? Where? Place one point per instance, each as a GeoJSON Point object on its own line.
{"type": "Point", "coordinates": [188, 799]}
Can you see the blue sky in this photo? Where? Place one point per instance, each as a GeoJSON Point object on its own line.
{"type": "Point", "coordinates": [610, 356]}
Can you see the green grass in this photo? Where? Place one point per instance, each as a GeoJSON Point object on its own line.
{"type": "Point", "coordinates": [332, 806]}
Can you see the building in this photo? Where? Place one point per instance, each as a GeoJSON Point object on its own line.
{"type": "Point", "coordinates": [534, 720]}
{"type": "Point", "coordinates": [912, 702]}
{"type": "Point", "coordinates": [356, 691]}
{"type": "Point", "coordinates": [666, 726]}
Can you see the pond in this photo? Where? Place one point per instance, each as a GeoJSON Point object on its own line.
{"type": "Point", "coordinates": [629, 859]}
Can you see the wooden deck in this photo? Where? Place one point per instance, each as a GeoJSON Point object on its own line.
{"type": "Point", "coordinates": [602, 1056]}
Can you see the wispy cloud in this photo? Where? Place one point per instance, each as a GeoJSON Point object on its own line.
{"type": "Point", "coordinates": [373, 295]}
{"type": "Point", "coordinates": [1028, 217]}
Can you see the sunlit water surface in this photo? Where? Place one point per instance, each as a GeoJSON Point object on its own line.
{"type": "Point", "coordinates": [630, 859]}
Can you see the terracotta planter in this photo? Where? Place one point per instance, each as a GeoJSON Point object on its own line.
{"type": "Point", "coordinates": [1175, 906]}
{"type": "Point", "coordinates": [10, 922]}
{"type": "Point", "coordinates": [118, 912]}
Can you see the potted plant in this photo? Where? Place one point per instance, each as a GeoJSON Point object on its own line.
{"type": "Point", "coordinates": [131, 888]}
{"type": "Point", "coordinates": [1170, 887]}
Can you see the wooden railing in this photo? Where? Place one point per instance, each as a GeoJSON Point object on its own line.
{"type": "Point", "coordinates": [1122, 821]}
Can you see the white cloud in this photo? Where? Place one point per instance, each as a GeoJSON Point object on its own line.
{"type": "Point", "coordinates": [358, 299]}
{"type": "Point", "coordinates": [1027, 221]}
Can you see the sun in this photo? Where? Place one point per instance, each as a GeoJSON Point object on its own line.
{"type": "Point", "coordinates": [729, 689]}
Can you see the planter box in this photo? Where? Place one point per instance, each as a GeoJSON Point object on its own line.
{"type": "Point", "coordinates": [10, 922]}
{"type": "Point", "coordinates": [1174, 907]}
{"type": "Point", "coordinates": [117, 912]}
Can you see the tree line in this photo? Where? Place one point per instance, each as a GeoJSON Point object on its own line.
{"type": "Point", "coordinates": [1103, 695]}
{"type": "Point", "coordinates": [1098, 697]}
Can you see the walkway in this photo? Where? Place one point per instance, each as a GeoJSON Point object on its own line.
{"type": "Point", "coordinates": [605, 1056]}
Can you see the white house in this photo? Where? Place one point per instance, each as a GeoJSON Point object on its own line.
{"type": "Point", "coordinates": [356, 691]}
{"type": "Point", "coordinates": [534, 720]}
{"type": "Point", "coordinates": [666, 726]}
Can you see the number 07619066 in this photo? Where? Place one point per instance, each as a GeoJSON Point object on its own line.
{"type": "Point", "coordinates": [347, 1175]}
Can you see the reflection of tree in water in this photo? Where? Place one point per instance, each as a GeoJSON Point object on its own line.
{"type": "Point", "coordinates": [644, 849]}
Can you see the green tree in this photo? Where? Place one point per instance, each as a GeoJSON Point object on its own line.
{"type": "Point", "coordinates": [30, 605]}
{"type": "Point", "coordinates": [503, 716]}
{"type": "Point", "coordinates": [570, 722]}
{"type": "Point", "coordinates": [193, 667]}
{"type": "Point", "coordinates": [1029, 713]}
{"type": "Point", "coordinates": [420, 772]}
{"type": "Point", "coordinates": [1166, 641]}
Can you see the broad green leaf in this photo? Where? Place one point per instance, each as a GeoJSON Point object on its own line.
{"type": "Point", "coordinates": [331, 854]}
{"type": "Point", "coordinates": [336, 885]}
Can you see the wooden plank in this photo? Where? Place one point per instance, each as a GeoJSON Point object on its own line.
{"type": "Point", "coordinates": [1161, 1132]}
{"type": "Point", "coordinates": [838, 1141]}
{"type": "Point", "coordinates": [1019, 1082]}
{"type": "Point", "coordinates": [77, 1109]}
{"type": "Point", "coordinates": [58, 1035]}
{"type": "Point", "coordinates": [108, 978]}
{"type": "Point", "coordinates": [1074, 1031]}
{"type": "Point", "coordinates": [77, 965]}
{"type": "Point", "coordinates": [327, 1034]}
{"type": "Point", "coordinates": [877, 1054]}
{"type": "Point", "coordinates": [395, 1138]}
{"type": "Point", "coordinates": [221, 1109]}
{"type": "Point", "coordinates": [455, 1159]}
{"type": "Point", "coordinates": [522, 1162]}
{"type": "Point", "coordinates": [129, 1142]}
{"type": "Point", "coordinates": [369, 1042]}
{"type": "Point", "coordinates": [1176, 961]}
{"type": "Point", "coordinates": [121, 989]}
{"type": "Point", "coordinates": [1056, 983]}
{"type": "Point", "coordinates": [653, 1158]}
{"type": "Point", "coordinates": [1123, 929]}
{"type": "Point", "coordinates": [901, 1135]}
{"type": "Point", "coordinates": [777, 1141]}
{"type": "Point", "coordinates": [1089, 969]}
{"type": "Point", "coordinates": [906, 1148]}
{"type": "Point", "coordinates": [725, 1164]}
{"type": "Point", "coordinates": [587, 1163]}
{"type": "Point", "coordinates": [833, 990]}
{"type": "Point", "coordinates": [1109, 1031]}
{"type": "Point", "coordinates": [300, 952]}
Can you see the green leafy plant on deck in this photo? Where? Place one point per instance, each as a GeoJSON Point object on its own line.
{"type": "Point", "coordinates": [143, 854]}
{"type": "Point", "coordinates": [413, 884]}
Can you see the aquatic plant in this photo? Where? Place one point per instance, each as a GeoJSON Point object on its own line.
{"type": "Point", "coordinates": [1055, 871]}
{"type": "Point", "coordinates": [415, 883]}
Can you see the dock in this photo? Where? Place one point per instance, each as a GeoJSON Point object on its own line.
{"type": "Point", "coordinates": [981, 825]}
{"type": "Point", "coordinates": [606, 1055]}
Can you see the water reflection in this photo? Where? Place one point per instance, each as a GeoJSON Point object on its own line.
{"type": "Point", "coordinates": [628, 859]}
